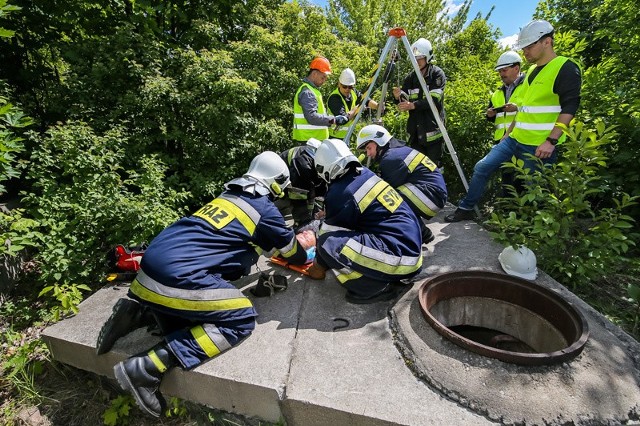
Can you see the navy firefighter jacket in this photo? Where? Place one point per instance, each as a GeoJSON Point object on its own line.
{"type": "Point", "coordinates": [224, 237]}
{"type": "Point", "coordinates": [363, 202]}
{"type": "Point", "coordinates": [400, 164]}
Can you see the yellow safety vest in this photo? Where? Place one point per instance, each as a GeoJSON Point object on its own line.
{"type": "Point", "coordinates": [302, 129]}
{"type": "Point", "coordinates": [540, 107]}
{"type": "Point", "coordinates": [341, 131]}
{"type": "Point", "coordinates": [504, 119]}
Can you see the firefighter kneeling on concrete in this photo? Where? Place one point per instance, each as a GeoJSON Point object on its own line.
{"type": "Point", "coordinates": [416, 178]}
{"type": "Point", "coordinates": [185, 274]}
{"type": "Point", "coordinates": [370, 237]}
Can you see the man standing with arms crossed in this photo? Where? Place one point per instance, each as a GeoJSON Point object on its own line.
{"type": "Point", "coordinates": [551, 98]}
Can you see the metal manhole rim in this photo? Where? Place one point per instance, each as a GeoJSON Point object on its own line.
{"type": "Point", "coordinates": [541, 358]}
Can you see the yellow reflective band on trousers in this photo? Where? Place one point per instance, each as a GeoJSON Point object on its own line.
{"type": "Point", "coordinates": [156, 361]}
{"type": "Point", "coordinates": [204, 341]}
{"type": "Point", "coordinates": [222, 210]}
{"type": "Point", "coordinates": [418, 199]}
{"type": "Point", "coordinates": [379, 261]}
{"type": "Point", "coordinates": [189, 300]}
{"type": "Point", "coordinates": [344, 275]}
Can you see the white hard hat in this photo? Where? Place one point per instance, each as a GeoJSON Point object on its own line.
{"type": "Point", "coordinates": [332, 159]}
{"type": "Point", "coordinates": [507, 59]}
{"type": "Point", "coordinates": [271, 171]}
{"type": "Point", "coordinates": [375, 133]}
{"type": "Point", "coordinates": [533, 32]}
{"type": "Point", "coordinates": [347, 77]}
{"type": "Point", "coordinates": [520, 262]}
{"type": "Point", "coordinates": [422, 47]}
{"type": "Point", "coordinates": [313, 143]}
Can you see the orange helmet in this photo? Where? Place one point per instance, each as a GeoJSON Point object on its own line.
{"type": "Point", "coordinates": [321, 64]}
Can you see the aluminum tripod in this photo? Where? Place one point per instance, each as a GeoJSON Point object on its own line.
{"type": "Point", "coordinates": [394, 35]}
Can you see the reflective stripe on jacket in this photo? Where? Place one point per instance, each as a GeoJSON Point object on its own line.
{"type": "Point", "coordinates": [540, 106]}
{"type": "Point", "coordinates": [415, 177]}
{"type": "Point", "coordinates": [504, 119]}
{"type": "Point", "coordinates": [384, 232]}
{"type": "Point", "coordinates": [341, 131]}
{"type": "Point", "coordinates": [302, 129]}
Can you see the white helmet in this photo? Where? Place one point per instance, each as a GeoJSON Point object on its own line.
{"type": "Point", "coordinates": [520, 263]}
{"type": "Point", "coordinates": [347, 77]}
{"type": "Point", "coordinates": [332, 159]}
{"type": "Point", "coordinates": [533, 32]}
{"type": "Point", "coordinates": [313, 143]}
{"type": "Point", "coordinates": [422, 47]}
{"type": "Point", "coordinates": [271, 171]}
{"type": "Point", "coordinates": [508, 59]}
{"type": "Point", "coordinates": [375, 133]}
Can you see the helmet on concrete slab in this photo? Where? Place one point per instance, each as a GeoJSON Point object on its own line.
{"type": "Point", "coordinates": [508, 59]}
{"type": "Point", "coordinates": [271, 171]}
{"type": "Point", "coordinates": [375, 133]}
{"type": "Point", "coordinates": [520, 262]}
{"type": "Point", "coordinates": [333, 158]}
{"type": "Point", "coordinates": [533, 32]}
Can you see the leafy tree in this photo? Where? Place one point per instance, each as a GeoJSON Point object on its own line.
{"type": "Point", "coordinates": [368, 21]}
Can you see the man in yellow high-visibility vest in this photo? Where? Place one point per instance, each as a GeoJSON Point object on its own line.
{"type": "Point", "coordinates": [551, 98]}
{"type": "Point", "coordinates": [503, 104]}
{"type": "Point", "coordinates": [309, 117]}
{"type": "Point", "coordinates": [344, 101]}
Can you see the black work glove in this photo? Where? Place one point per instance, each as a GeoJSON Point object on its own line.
{"type": "Point", "coordinates": [341, 119]}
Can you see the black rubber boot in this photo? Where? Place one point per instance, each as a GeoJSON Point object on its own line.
{"type": "Point", "coordinates": [141, 375]}
{"type": "Point", "coordinates": [386, 294]}
{"type": "Point", "coordinates": [427, 235]}
{"type": "Point", "coordinates": [127, 316]}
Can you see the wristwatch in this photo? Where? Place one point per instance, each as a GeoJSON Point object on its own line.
{"type": "Point", "coordinates": [552, 141]}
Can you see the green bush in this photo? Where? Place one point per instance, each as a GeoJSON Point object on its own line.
{"type": "Point", "coordinates": [562, 215]}
{"type": "Point", "coordinates": [86, 203]}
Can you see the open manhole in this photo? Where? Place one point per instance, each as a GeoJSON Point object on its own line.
{"type": "Point", "coordinates": [503, 317]}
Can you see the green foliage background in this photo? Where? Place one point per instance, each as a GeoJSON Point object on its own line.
{"type": "Point", "coordinates": [140, 111]}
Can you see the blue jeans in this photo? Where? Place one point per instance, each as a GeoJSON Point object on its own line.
{"type": "Point", "coordinates": [491, 162]}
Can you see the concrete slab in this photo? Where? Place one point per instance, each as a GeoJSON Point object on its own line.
{"type": "Point", "coordinates": [316, 360]}
{"type": "Point", "coordinates": [600, 386]}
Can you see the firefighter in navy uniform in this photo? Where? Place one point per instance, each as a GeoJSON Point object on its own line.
{"type": "Point", "coordinates": [422, 126]}
{"type": "Point", "coordinates": [185, 274]}
{"type": "Point", "coordinates": [370, 237]}
{"type": "Point", "coordinates": [410, 172]}
{"type": "Point", "coordinates": [306, 185]}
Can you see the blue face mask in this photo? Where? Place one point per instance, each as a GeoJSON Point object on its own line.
{"type": "Point", "coordinates": [311, 254]}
